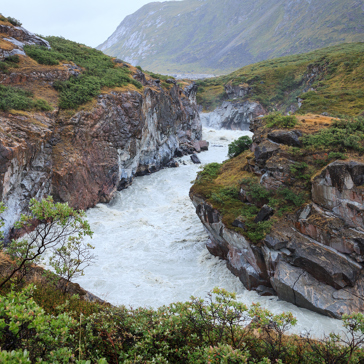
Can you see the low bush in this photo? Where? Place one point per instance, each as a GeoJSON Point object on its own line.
{"type": "Point", "coordinates": [17, 99]}
{"type": "Point", "coordinates": [98, 70]}
{"type": "Point", "coordinates": [239, 146]}
{"type": "Point", "coordinates": [280, 121]}
{"type": "Point", "coordinates": [11, 20]}
{"type": "Point", "coordinates": [343, 134]}
{"type": "Point", "coordinates": [217, 330]}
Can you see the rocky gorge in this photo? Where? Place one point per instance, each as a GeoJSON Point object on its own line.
{"type": "Point", "coordinates": [311, 256]}
{"type": "Point", "coordinates": [84, 156]}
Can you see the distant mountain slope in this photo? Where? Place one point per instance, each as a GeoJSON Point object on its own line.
{"type": "Point", "coordinates": [219, 36]}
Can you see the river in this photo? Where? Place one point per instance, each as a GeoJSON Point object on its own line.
{"type": "Point", "coordinates": [150, 245]}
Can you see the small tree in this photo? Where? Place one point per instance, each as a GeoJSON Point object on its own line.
{"type": "Point", "coordinates": [58, 228]}
{"type": "Point", "coordinates": [239, 146]}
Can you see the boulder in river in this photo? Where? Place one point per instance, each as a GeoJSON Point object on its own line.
{"type": "Point", "coordinates": [195, 159]}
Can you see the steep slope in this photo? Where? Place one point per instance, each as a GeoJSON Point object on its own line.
{"type": "Point", "coordinates": [64, 132]}
{"type": "Point", "coordinates": [327, 80]}
{"type": "Point", "coordinates": [287, 215]}
{"type": "Point", "coordinates": [215, 36]}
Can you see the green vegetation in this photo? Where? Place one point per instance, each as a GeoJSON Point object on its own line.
{"type": "Point", "coordinates": [17, 99]}
{"type": "Point", "coordinates": [280, 121]}
{"type": "Point", "coordinates": [343, 134]}
{"type": "Point", "coordinates": [239, 146]}
{"type": "Point", "coordinates": [11, 20]}
{"type": "Point", "coordinates": [334, 76]}
{"type": "Point", "coordinates": [98, 70]}
{"type": "Point", "coordinates": [217, 330]}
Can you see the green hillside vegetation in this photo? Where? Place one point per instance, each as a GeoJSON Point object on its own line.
{"type": "Point", "coordinates": [333, 78]}
{"type": "Point", "coordinates": [218, 37]}
{"type": "Point", "coordinates": [98, 70]}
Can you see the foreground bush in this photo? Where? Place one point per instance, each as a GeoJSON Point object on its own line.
{"type": "Point", "coordinates": [219, 330]}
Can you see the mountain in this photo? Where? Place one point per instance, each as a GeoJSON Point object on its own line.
{"type": "Point", "coordinates": [219, 36]}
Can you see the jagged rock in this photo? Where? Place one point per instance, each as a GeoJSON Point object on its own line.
{"type": "Point", "coordinates": [178, 153]}
{"type": "Point", "coordinates": [195, 159]}
{"type": "Point", "coordinates": [264, 214]}
{"type": "Point", "coordinates": [336, 189]}
{"type": "Point", "coordinates": [264, 151]}
{"type": "Point", "coordinates": [232, 115]}
{"type": "Point", "coordinates": [239, 224]}
{"type": "Point", "coordinates": [196, 146]}
{"type": "Point", "coordinates": [287, 137]}
{"type": "Point", "coordinates": [274, 243]}
{"type": "Point", "coordinates": [297, 286]}
{"type": "Point", "coordinates": [317, 259]}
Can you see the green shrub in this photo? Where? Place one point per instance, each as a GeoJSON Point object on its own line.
{"type": "Point", "coordinates": [11, 20]}
{"type": "Point", "coordinates": [343, 134]}
{"type": "Point", "coordinates": [17, 99]}
{"type": "Point", "coordinates": [43, 55]}
{"type": "Point", "coordinates": [13, 59]}
{"type": "Point", "coordinates": [239, 146]}
{"type": "Point", "coordinates": [99, 70]}
{"type": "Point", "coordinates": [280, 121]}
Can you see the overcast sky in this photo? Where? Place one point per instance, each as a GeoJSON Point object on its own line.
{"type": "Point", "coordinates": [85, 21]}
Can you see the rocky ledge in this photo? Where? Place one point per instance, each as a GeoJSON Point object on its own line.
{"type": "Point", "coordinates": [311, 255]}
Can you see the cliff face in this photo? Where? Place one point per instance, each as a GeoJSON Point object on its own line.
{"type": "Point", "coordinates": [312, 256]}
{"type": "Point", "coordinates": [84, 156]}
{"type": "Point", "coordinates": [215, 36]}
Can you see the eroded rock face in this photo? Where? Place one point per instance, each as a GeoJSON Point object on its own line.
{"type": "Point", "coordinates": [233, 115]}
{"type": "Point", "coordinates": [17, 38]}
{"type": "Point", "coordinates": [85, 158]}
{"type": "Point", "coordinates": [313, 257]}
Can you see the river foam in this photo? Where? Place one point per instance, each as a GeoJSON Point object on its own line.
{"type": "Point", "coordinates": [150, 245]}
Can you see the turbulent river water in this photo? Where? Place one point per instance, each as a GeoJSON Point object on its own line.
{"type": "Point", "coordinates": [150, 245]}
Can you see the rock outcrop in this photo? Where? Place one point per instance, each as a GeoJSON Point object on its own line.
{"type": "Point", "coordinates": [313, 257]}
{"type": "Point", "coordinates": [232, 115]}
{"type": "Point", "coordinates": [83, 157]}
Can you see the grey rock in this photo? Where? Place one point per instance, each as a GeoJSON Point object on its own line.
{"type": "Point", "coordinates": [287, 137]}
{"type": "Point", "coordinates": [274, 243]}
{"type": "Point", "coordinates": [264, 214]}
{"type": "Point", "coordinates": [195, 159]}
{"type": "Point", "coordinates": [239, 224]}
{"type": "Point", "coordinates": [232, 115]}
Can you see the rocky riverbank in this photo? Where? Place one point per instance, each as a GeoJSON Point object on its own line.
{"type": "Point", "coordinates": [309, 207]}
{"type": "Point", "coordinates": [84, 156]}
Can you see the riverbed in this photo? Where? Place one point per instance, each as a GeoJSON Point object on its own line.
{"type": "Point", "coordinates": [151, 246]}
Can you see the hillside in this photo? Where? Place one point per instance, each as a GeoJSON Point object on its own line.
{"type": "Point", "coordinates": [215, 36]}
{"type": "Point", "coordinates": [327, 80]}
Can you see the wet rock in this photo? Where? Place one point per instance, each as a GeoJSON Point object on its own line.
{"type": "Point", "coordinates": [239, 224]}
{"type": "Point", "coordinates": [179, 153]}
{"type": "Point", "coordinates": [265, 291]}
{"type": "Point", "coordinates": [287, 137]}
{"type": "Point", "coordinates": [233, 115]}
{"type": "Point", "coordinates": [195, 159]}
{"type": "Point", "coordinates": [317, 259]}
{"type": "Point", "coordinates": [196, 146]}
{"type": "Point", "coordinates": [264, 214]}
{"type": "Point", "coordinates": [172, 164]}
{"type": "Point", "coordinates": [204, 145]}
{"type": "Point", "coordinates": [295, 285]}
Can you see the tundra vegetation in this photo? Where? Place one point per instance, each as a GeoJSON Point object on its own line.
{"type": "Point", "coordinates": [42, 322]}
{"type": "Point", "coordinates": [326, 80]}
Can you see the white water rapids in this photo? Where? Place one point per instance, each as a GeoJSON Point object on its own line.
{"type": "Point", "coordinates": [150, 245]}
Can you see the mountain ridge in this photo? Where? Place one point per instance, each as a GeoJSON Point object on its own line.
{"type": "Point", "coordinates": [214, 36]}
